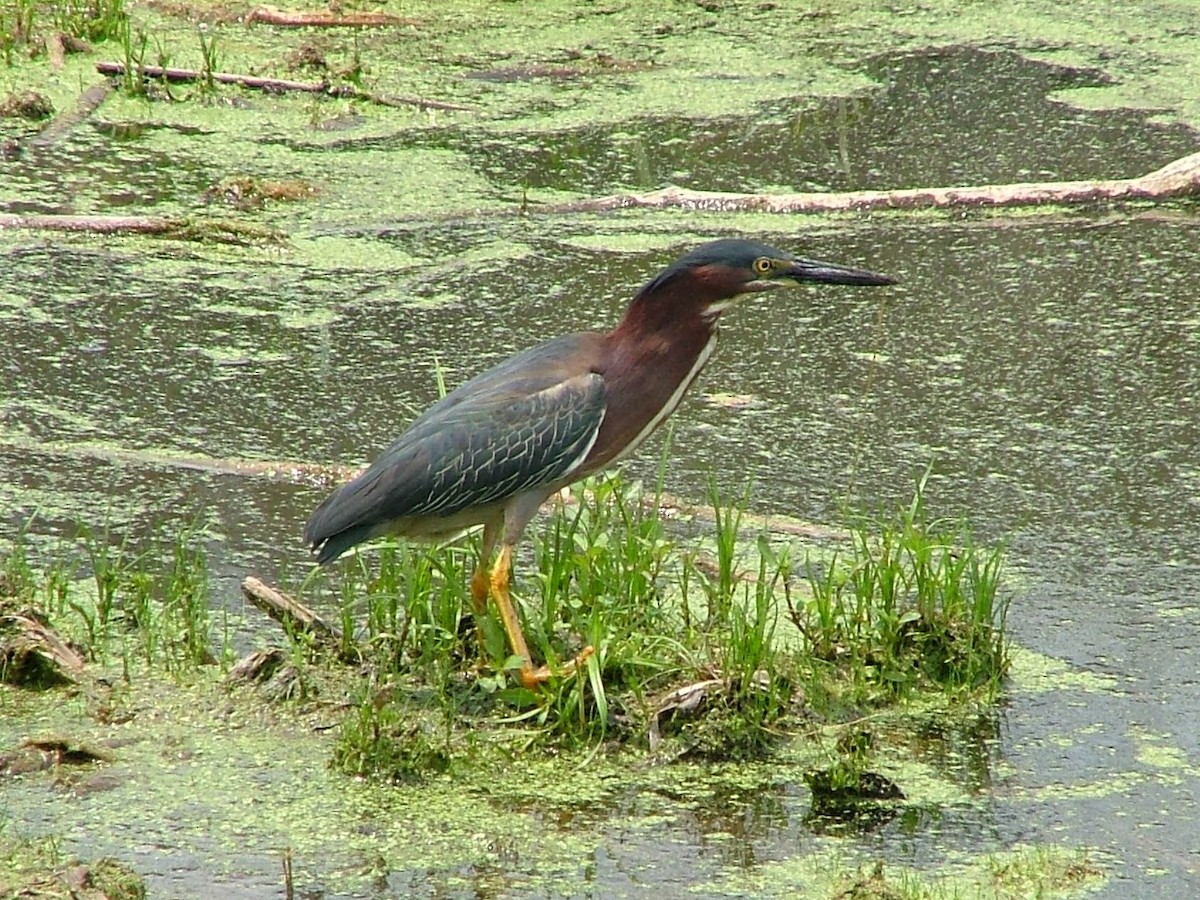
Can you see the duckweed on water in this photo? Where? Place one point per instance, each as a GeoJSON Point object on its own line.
{"type": "Point", "coordinates": [698, 659]}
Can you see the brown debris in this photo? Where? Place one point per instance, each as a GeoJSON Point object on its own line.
{"type": "Point", "coordinates": [31, 653]}
{"type": "Point", "coordinates": [104, 879]}
{"type": "Point", "coordinates": [307, 57]}
{"type": "Point", "coordinates": [682, 702]}
{"type": "Point", "coordinates": [278, 677]}
{"type": "Point", "coordinates": [59, 44]}
{"type": "Point", "coordinates": [250, 193]}
{"type": "Point", "coordinates": [26, 105]}
{"type": "Point", "coordinates": [48, 753]}
{"type": "Point", "coordinates": [295, 617]}
{"type": "Point", "coordinates": [259, 665]}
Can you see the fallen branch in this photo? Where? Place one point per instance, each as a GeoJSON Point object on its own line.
{"type": "Point", "coordinates": [93, 224]}
{"type": "Point", "coordinates": [276, 85]}
{"type": "Point", "coordinates": [89, 101]}
{"type": "Point", "coordinates": [1180, 178]}
{"type": "Point", "coordinates": [326, 475]}
{"type": "Point", "coordinates": [219, 231]}
{"type": "Point", "coordinates": [285, 471]}
{"type": "Point", "coordinates": [269, 15]}
{"type": "Point", "coordinates": [295, 617]}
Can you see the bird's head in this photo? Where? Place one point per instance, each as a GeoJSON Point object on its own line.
{"type": "Point", "coordinates": [711, 277]}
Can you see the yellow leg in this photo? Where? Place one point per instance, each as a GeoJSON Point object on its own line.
{"type": "Point", "coordinates": [480, 582]}
{"type": "Point", "coordinates": [501, 573]}
{"type": "Point", "coordinates": [530, 677]}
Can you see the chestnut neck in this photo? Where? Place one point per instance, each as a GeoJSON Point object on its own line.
{"type": "Point", "coordinates": [679, 301]}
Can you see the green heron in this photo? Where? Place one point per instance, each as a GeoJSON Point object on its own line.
{"type": "Point", "coordinates": [492, 451]}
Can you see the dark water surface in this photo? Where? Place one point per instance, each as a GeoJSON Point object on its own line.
{"type": "Point", "coordinates": [1049, 368]}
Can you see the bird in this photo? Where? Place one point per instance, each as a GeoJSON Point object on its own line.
{"type": "Point", "coordinates": [490, 452]}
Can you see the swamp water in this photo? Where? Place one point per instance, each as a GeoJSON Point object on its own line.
{"type": "Point", "coordinates": [1050, 367]}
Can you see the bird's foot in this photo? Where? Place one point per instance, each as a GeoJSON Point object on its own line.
{"type": "Point", "coordinates": [531, 677]}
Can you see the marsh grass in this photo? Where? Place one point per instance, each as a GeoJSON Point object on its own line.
{"type": "Point", "coordinates": [19, 581]}
{"type": "Point", "coordinates": [386, 740]}
{"type": "Point", "coordinates": [1023, 872]}
{"type": "Point", "coordinates": [913, 603]}
{"type": "Point", "coordinates": [210, 63]}
{"type": "Point", "coordinates": [90, 20]}
{"type": "Point", "coordinates": [24, 23]}
{"type": "Point", "coordinates": [906, 605]}
{"type": "Point", "coordinates": [135, 45]}
{"type": "Point", "coordinates": [142, 607]}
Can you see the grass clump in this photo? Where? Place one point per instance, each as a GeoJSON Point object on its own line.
{"type": "Point", "coordinates": [103, 601]}
{"type": "Point", "coordinates": [713, 650]}
{"type": "Point", "coordinates": [1017, 874]}
{"type": "Point", "coordinates": [385, 741]}
{"type": "Point", "coordinates": [31, 24]}
{"type": "Point", "coordinates": [912, 604]}
{"type": "Point", "coordinates": [90, 20]}
{"type": "Point", "coordinates": [37, 867]}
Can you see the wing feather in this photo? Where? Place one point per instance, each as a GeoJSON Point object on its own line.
{"type": "Point", "coordinates": [505, 433]}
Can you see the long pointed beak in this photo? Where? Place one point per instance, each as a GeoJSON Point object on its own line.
{"type": "Point", "coordinates": [802, 270]}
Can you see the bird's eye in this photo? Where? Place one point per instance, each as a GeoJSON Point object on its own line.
{"type": "Point", "coordinates": [762, 265]}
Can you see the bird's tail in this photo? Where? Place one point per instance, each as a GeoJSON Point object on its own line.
{"type": "Point", "coordinates": [329, 548]}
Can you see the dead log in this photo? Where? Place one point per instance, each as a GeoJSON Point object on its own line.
{"type": "Point", "coordinates": [285, 18]}
{"type": "Point", "coordinates": [326, 475]}
{"type": "Point", "coordinates": [287, 471]}
{"type": "Point", "coordinates": [93, 224]}
{"type": "Point", "coordinates": [1180, 178]}
{"type": "Point", "coordinates": [87, 103]}
{"type": "Point", "coordinates": [277, 85]}
{"type": "Point", "coordinates": [32, 653]}
{"type": "Point", "coordinates": [296, 618]}
{"type": "Point", "coordinates": [221, 231]}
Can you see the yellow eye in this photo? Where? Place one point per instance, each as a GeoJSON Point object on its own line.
{"type": "Point", "coordinates": [763, 265]}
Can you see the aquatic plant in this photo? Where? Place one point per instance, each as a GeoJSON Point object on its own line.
{"type": "Point", "coordinates": [706, 646]}
{"type": "Point", "coordinates": [914, 602]}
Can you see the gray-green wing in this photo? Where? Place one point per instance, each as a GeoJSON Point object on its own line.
{"type": "Point", "coordinates": [504, 437]}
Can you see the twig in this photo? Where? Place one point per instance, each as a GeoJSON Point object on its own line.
{"type": "Point", "coordinates": [289, 888]}
{"type": "Point", "coordinates": [1180, 178]}
{"type": "Point", "coordinates": [269, 15]}
{"type": "Point", "coordinates": [279, 85]}
{"type": "Point", "coordinates": [294, 616]}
